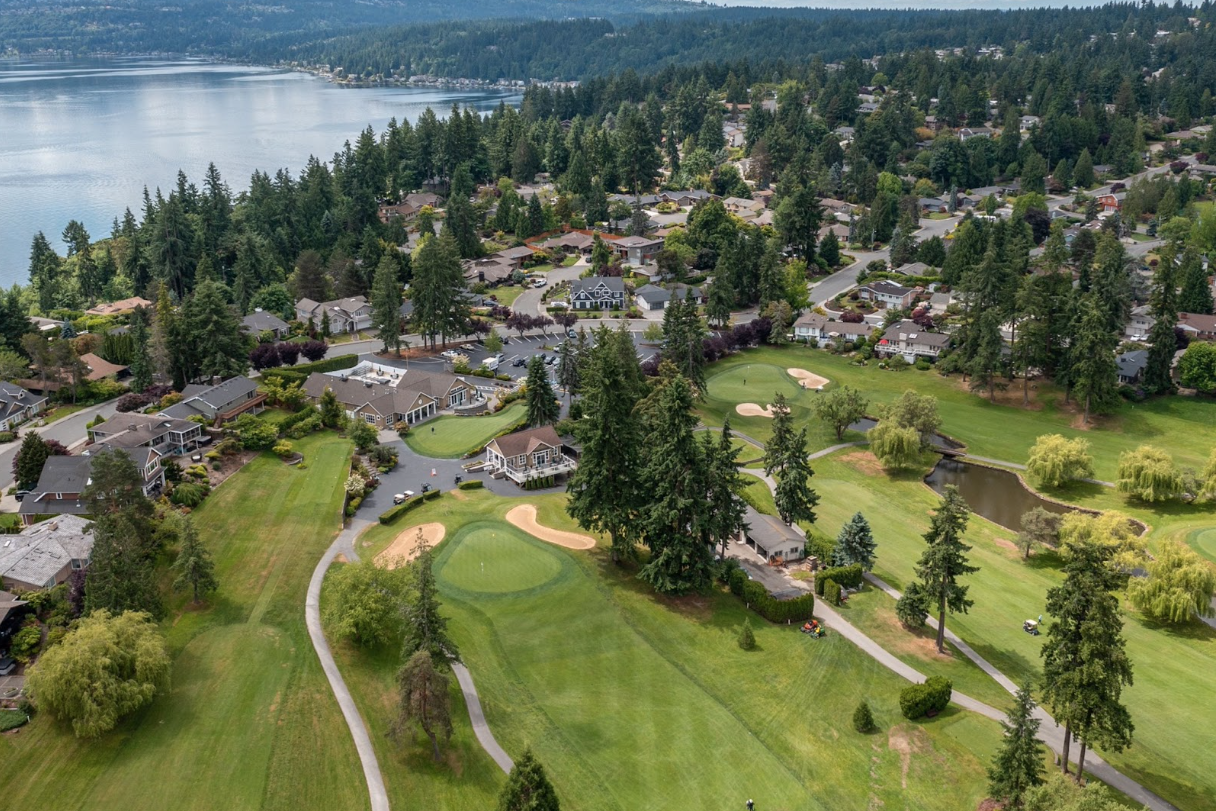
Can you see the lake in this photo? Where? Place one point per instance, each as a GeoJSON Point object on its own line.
{"type": "Point", "coordinates": [80, 139]}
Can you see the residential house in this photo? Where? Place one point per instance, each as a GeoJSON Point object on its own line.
{"type": "Point", "coordinates": [515, 256]}
{"type": "Point", "coordinates": [932, 124]}
{"type": "Point", "coordinates": [387, 212]}
{"type": "Point", "coordinates": [772, 539]}
{"type": "Point", "coordinates": [420, 199]}
{"type": "Point", "coordinates": [168, 435]}
{"type": "Point", "coordinates": [1028, 121]}
{"type": "Point", "coordinates": [18, 405]}
{"type": "Point", "coordinates": [967, 133]}
{"type": "Point", "coordinates": [635, 201]}
{"type": "Point", "coordinates": [686, 198]}
{"type": "Point", "coordinates": [527, 455]}
{"type": "Point", "coordinates": [913, 269]}
{"type": "Point", "coordinates": [260, 321]}
{"type": "Point", "coordinates": [637, 251]}
{"type": "Point", "coordinates": [571, 241]}
{"type": "Point", "coordinates": [652, 297]}
{"type": "Point", "coordinates": [825, 331]}
{"type": "Point", "coordinates": [743, 207]}
{"type": "Point", "coordinates": [1197, 326]}
{"type": "Point", "coordinates": [1140, 323]}
{"type": "Point", "coordinates": [887, 293]}
{"type": "Point", "coordinates": [597, 293]}
{"type": "Point", "coordinates": [98, 368]}
{"type": "Point", "coordinates": [43, 555]}
{"type": "Point", "coordinates": [64, 478]}
{"type": "Point", "coordinates": [219, 403]}
{"type": "Point", "coordinates": [387, 397]}
{"type": "Point", "coordinates": [491, 270]}
{"type": "Point", "coordinates": [124, 307]}
{"type": "Point", "coordinates": [932, 205]}
{"type": "Point", "coordinates": [345, 314]}
{"type": "Point", "coordinates": [1108, 203]}
{"type": "Point", "coordinates": [912, 341]}
{"type": "Point", "coordinates": [1131, 365]}
{"type": "Point", "coordinates": [95, 368]}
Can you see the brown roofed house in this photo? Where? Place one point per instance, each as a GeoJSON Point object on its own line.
{"type": "Point", "coordinates": [527, 455]}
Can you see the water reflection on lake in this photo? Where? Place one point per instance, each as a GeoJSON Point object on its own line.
{"type": "Point", "coordinates": [995, 494]}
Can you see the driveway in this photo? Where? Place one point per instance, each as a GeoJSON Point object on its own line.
{"type": "Point", "coordinates": [845, 279]}
{"type": "Point", "coordinates": [69, 430]}
{"type": "Point", "coordinates": [529, 301]}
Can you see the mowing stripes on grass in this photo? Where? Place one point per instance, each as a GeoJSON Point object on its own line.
{"type": "Point", "coordinates": [451, 437]}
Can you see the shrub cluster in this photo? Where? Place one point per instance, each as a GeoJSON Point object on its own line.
{"type": "Point", "coordinates": [849, 577]}
{"type": "Point", "coordinates": [773, 610]}
{"type": "Point", "coordinates": [11, 719]}
{"type": "Point", "coordinates": [471, 484]}
{"type": "Point", "coordinates": [831, 591]}
{"type": "Point", "coordinates": [917, 700]}
{"type": "Point", "coordinates": [190, 494]}
{"type": "Point", "coordinates": [541, 483]}
{"type": "Point", "coordinates": [298, 417]}
{"type": "Point", "coordinates": [300, 372]}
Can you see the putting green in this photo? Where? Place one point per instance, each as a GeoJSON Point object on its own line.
{"type": "Point", "coordinates": [753, 383]}
{"type": "Point", "coordinates": [1203, 541]}
{"type": "Point", "coordinates": [490, 557]}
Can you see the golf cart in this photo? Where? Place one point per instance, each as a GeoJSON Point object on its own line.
{"type": "Point", "coordinates": [426, 487]}
{"type": "Point", "coordinates": [1031, 627]}
{"type": "Point", "coordinates": [400, 498]}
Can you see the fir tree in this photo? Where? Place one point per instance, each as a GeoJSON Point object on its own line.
{"type": "Point", "coordinates": [1018, 765]}
{"type": "Point", "coordinates": [386, 304]}
{"type": "Point", "coordinates": [543, 406]}
{"type": "Point", "coordinates": [1164, 307]}
{"type": "Point", "coordinates": [424, 699]}
{"type": "Point", "coordinates": [674, 479]}
{"type": "Point", "coordinates": [855, 544]}
{"type": "Point", "coordinates": [196, 570]}
{"type": "Point", "coordinates": [1095, 373]}
{"type": "Point", "coordinates": [121, 576]}
{"type": "Point", "coordinates": [945, 560]}
{"type": "Point", "coordinates": [604, 489]}
{"type": "Point", "coordinates": [426, 630]}
{"type": "Point", "coordinates": [528, 787]}
{"type": "Point", "coordinates": [724, 507]}
{"type": "Point", "coordinates": [141, 361]}
{"type": "Point", "coordinates": [1196, 295]}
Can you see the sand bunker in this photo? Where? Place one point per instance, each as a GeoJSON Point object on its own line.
{"type": "Point", "coordinates": [809, 380]}
{"type": "Point", "coordinates": [524, 517]}
{"type": "Point", "coordinates": [753, 410]}
{"type": "Point", "coordinates": [405, 546]}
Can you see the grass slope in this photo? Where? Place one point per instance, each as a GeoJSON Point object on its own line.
{"type": "Point", "coordinates": [1169, 701]}
{"type": "Point", "coordinates": [1184, 426]}
{"type": "Point", "coordinates": [451, 437]}
{"type": "Point", "coordinates": [632, 701]}
{"type": "Point", "coordinates": [250, 715]}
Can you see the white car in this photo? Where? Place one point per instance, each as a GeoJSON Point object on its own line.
{"type": "Point", "coordinates": [400, 498]}
{"type": "Point", "coordinates": [450, 354]}
{"type": "Point", "coordinates": [539, 283]}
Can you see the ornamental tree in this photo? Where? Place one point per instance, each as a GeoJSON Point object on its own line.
{"type": "Point", "coordinates": [1055, 460]}
{"type": "Point", "coordinates": [1149, 474]}
{"type": "Point", "coordinates": [1179, 583]}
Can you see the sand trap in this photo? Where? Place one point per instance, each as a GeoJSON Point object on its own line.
{"type": "Point", "coordinates": [524, 517]}
{"type": "Point", "coordinates": [753, 410]}
{"type": "Point", "coordinates": [809, 380]}
{"type": "Point", "coordinates": [405, 546]}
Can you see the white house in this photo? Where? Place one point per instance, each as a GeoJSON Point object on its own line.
{"type": "Point", "coordinates": [345, 314]}
{"type": "Point", "coordinates": [17, 405]}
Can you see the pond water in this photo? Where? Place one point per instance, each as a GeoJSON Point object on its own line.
{"type": "Point", "coordinates": [995, 494]}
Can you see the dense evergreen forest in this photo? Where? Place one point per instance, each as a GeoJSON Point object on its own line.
{"type": "Point", "coordinates": [223, 27]}
{"type": "Point", "coordinates": [765, 38]}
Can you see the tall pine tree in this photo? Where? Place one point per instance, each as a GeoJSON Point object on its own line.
{"type": "Point", "coordinates": [1017, 766]}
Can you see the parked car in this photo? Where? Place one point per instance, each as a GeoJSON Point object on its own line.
{"type": "Point", "coordinates": [519, 362]}
{"type": "Point", "coordinates": [571, 333]}
{"type": "Point", "coordinates": [538, 283]}
{"type": "Point", "coordinates": [552, 359]}
{"type": "Point", "coordinates": [451, 354]}
{"type": "Point", "coordinates": [400, 498]}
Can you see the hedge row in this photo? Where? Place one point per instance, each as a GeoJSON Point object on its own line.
{"type": "Point", "coordinates": [393, 513]}
{"type": "Point", "coordinates": [296, 418]}
{"type": "Point", "coordinates": [933, 696]}
{"type": "Point", "coordinates": [849, 577]}
{"type": "Point", "coordinates": [300, 372]}
{"type": "Point", "coordinates": [471, 484]}
{"type": "Point", "coordinates": [763, 603]}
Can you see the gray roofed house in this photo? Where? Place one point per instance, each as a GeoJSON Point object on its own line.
{"type": "Point", "coordinates": [597, 293]}
{"type": "Point", "coordinates": [345, 314]}
{"type": "Point", "coordinates": [218, 403]}
{"type": "Point", "coordinates": [18, 405]}
{"type": "Point", "coordinates": [1131, 365]}
{"type": "Point", "coordinates": [44, 554]}
{"type": "Point", "coordinates": [771, 537]}
{"type": "Point", "coordinates": [636, 251]}
{"type": "Point", "coordinates": [260, 321]}
{"type": "Point", "coordinates": [815, 326]}
{"type": "Point", "coordinates": [166, 433]}
{"type": "Point", "coordinates": [912, 269]}
{"type": "Point", "coordinates": [64, 478]}
{"type": "Point", "coordinates": [887, 293]}
{"type": "Point", "coordinates": [653, 297]}
{"type": "Point", "coordinates": [911, 340]}
{"type": "Point", "coordinates": [386, 396]}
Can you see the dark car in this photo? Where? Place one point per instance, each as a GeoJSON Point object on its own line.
{"type": "Point", "coordinates": [21, 494]}
{"type": "Point", "coordinates": [552, 359]}
{"type": "Point", "coordinates": [520, 362]}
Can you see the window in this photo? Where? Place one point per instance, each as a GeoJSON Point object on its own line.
{"type": "Point", "coordinates": [370, 419]}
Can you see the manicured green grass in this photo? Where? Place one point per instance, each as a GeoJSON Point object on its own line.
{"type": "Point", "coordinates": [250, 717]}
{"type": "Point", "coordinates": [1184, 426]}
{"type": "Point", "coordinates": [1169, 701]}
{"type": "Point", "coordinates": [632, 701]}
{"type": "Point", "coordinates": [757, 494]}
{"type": "Point", "coordinates": [451, 437]}
{"type": "Point", "coordinates": [507, 294]}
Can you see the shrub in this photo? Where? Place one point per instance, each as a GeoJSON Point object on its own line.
{"type": "Point", "coordinates": [300, 372]}
{"type": "Point", "coordinates": [431, 495]}
{"type": "Point", "coordinates": [130, 402]}
{"type": "Point", "coordinates": [923, 365]}
{"type": "Point", "coordinates": [26, 641]}
{"type": "Point", "coordinates": [7, 436]}
{"type": "Point", "coordinates": [471, 484]}
{"type": "Point", "coordinates": [295, 419]}
{"type": "Point", "coordinates": [849, 577]}
{"type": "Point", "coordinates": [11, 719]}
{"type": "Point", "coordinates": [760, 601]}
{"type": "Point", "coordinates": [918, 700]}
{"type": "Point", "coordinates": [384, 457]}
{"type": "Point", "coordinates": [863, 719]}
{"type": "Point", "coordinates": [747, 637]}
{"type": "Point", "coordinates": [305, 427]}
{"type": "Point", "coordinates": [189, 494]}
{"type": "Point", "coordinates": [283, 449]}
{"type": "Point", "coordinates": [831, 591]}
{"type": "Point", "coordinates": [352, 506]}
{"type": "Point", "coordinates": [820, 546]}
{"type": "Point", "coordinates": [393, 513]}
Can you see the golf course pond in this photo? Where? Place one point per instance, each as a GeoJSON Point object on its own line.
{"type": "Point", "coordinates": [997, 495]}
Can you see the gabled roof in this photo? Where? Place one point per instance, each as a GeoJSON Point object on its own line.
{"type": "Point", "coordinates": [205, 400]}
{"type": "Point", "coordinates": [614, 284]}
{"type": "Point", "coordinates": [887, 287]}
{"type": "Point", "coordinates": [653, 294]}
{"type": "Point", "coordinates": [1197, 322]}
{"type": "Point", "coordinates": [14, 399]}
{"type": "Point", "coordinates": [41, 551]}
{"type": "Point", "coordinates": [769, 531]}
{"type": "Point", "coordinates": [912, 332]}
{"type": "Point", "coordinates": [1132, 363]}
{"type": "Point", "coordinates": [525, 442]}
{"type": "Point", "coordinates": [133, 430]}
{"type": "Point", "coordinates": [260, 321]}
{"type": "Point", "coordinates": [636, 242]}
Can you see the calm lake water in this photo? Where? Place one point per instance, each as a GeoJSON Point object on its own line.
{"type": "Point", "coordinates": [81, 139]}
{"type": "Point", "coordinates": [995, 494]}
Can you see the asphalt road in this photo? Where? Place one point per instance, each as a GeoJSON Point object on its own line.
{"type": "Point", "coordinates": [69, 430]}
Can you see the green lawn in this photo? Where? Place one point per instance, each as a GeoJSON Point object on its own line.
{"type": "Point", "coordinates": [1184, 426]}
{"type": "Point", "coordinates": [636, 702]}
{"type": "Point", "coordinates": [451, 437]}
{"type": "Point", "coordinates": [250, 717]}
{"type": "Point", "coordinates": [1170, 700]}
{"type": "Point", "coordinates": [506, 295]}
